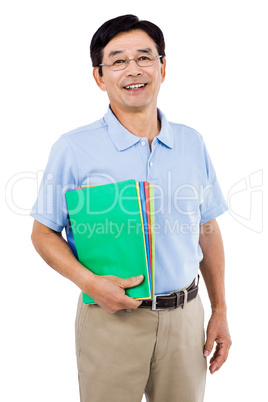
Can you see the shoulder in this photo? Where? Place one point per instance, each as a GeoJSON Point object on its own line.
{"type": "Point", "coordinates": [186, 136]}
{"type": "Point", "coordinates": [84, 130]}
{"type": "Point", "coordinates": [184, 130]}
{"type": "Point", "coordinates": [81, 135]}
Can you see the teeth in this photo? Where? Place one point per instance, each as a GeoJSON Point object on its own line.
{"type": "Point", "coordinates": [135, 86]}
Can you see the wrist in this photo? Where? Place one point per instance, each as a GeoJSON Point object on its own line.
{"type": "Point", "coordinates": [219, 309]}
{"type": "Point", "coordinates": [91, 282]}
{"type": "Point", "coordinates": [83, 278]}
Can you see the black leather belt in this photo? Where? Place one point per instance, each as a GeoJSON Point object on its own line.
{"type": "Point", "coordinates": [172, 300]}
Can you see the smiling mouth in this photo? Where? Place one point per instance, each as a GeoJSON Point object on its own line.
{"type": "Point", "coordinates": [135, 86]}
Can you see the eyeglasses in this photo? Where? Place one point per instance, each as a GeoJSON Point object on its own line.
{"type": "Point", "coordinates": [118, 63]}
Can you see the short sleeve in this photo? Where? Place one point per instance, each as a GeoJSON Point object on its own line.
{"type": "Point", "coordinates": [213, 203]}
{"type": "Point", "coordinates": [61, 175]}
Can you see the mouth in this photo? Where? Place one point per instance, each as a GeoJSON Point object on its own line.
{"type": "Point", "coordinates": [134, 86]}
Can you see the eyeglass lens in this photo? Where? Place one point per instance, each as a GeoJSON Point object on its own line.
{"type": "Point", "coordinates": [142, 60]}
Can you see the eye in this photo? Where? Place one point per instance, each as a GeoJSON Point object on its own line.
{"type": "Point", "coordinates": [118, 61]}
{"type": "Point", "coordinates": [145, 57]}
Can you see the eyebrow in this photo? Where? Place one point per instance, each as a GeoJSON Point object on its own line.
{"type": "Point", "coordinates": [116, 52]}
{"type": "Point", "coordinates": [147, 50]}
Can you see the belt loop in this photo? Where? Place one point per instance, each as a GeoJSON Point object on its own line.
{"type": "Point", "coordinates": [177, 299]}
{"type": "Point", "coordinates": [198, 278]}
{"type": "Point", "coordinates": [185, 298]}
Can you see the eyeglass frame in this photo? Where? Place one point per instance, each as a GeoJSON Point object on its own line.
{"type": "Point", "coordinates": [128, 60]}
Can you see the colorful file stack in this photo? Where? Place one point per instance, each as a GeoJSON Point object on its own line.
{"type": "Point", "coordinates": [112, 228]}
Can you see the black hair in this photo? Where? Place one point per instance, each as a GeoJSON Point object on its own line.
{"type": "Point", "coordinates": [114, 27]}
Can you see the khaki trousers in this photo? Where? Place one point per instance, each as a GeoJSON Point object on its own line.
{"type": "Point", "coordinates": [125, 355]}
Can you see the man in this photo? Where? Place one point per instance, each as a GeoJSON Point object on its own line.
{"type": "Point", "coordinates": [139, 348]}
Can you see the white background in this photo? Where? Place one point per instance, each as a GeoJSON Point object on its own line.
{"type": "Point", "coordinates": [217, 83]}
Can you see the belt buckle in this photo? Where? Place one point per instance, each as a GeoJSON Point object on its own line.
{"type": "Point", "coordinates": [154, 301]}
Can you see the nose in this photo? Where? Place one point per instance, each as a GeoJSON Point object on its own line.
{"type": "Point", "coordinates": [133, 68]}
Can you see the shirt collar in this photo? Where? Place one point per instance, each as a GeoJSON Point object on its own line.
{"type": "Point", "coordinates": [166, 135]}
{"type": "Point", "coordinates": [123, 139]}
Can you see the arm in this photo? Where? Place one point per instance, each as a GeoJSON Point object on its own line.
{"type": "Point", "coordinates": [212, 269]}
{"type": "Point", "coordinates": [107, 291]}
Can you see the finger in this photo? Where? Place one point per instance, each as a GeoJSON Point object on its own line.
{"type": "Point", "coordinates": [215, 355]}
{"type": "Point", "coordinates": [130, 303]}
{"type": "Point", "coordinates": [219, 357]}
{"type": "Point", "coordinates": [131, 282]}
{"type": "Point", "coordinates": [215, 367]}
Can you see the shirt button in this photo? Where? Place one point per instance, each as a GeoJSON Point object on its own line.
{"type": "Point", "coordinates": [143, 143]}
{"type": "Point", "coordinates": [151, 164]}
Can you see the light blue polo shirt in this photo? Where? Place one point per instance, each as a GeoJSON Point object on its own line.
{"type": "Point", "coordinates": [187, 193]}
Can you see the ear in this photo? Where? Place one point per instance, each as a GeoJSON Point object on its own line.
{"type": "Point", "coordinates": [163, 69]}
{"type": "Point", "coordinates": [99, 79]}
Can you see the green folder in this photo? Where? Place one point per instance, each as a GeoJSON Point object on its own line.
{"type": "Point", "coordinates": [108, 232]}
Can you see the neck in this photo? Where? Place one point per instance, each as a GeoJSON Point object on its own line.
{"type": "Point", "coordinates": [140, 123]}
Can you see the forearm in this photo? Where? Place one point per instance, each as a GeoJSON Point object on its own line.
{"type": "Point", "coordinates": [212, 269]}
{"type": "Point", "coordinates": [107, 291]}
{"type": "Point", "coordinates": [56, 252]}
{"type": "Point", "coordinates": [212, 266]}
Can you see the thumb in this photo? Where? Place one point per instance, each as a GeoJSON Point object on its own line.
{"type": "Point", "coordinates": [131, 282]}
{"type": "Point", "coordinates": [209, 343]}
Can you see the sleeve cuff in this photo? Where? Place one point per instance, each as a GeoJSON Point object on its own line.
{"type": "Point", "coordinates": [214, 214]}
{"type": "Point", "coordinates": [45, 221]}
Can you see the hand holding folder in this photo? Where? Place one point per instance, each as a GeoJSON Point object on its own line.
{"type": "Point", "coordinates": [109, 292]}
{"type": "Point", "coordinates": [109, 232]}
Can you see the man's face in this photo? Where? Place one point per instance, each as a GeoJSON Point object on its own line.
{"type": "Point", "coordinates": [117, 83]}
